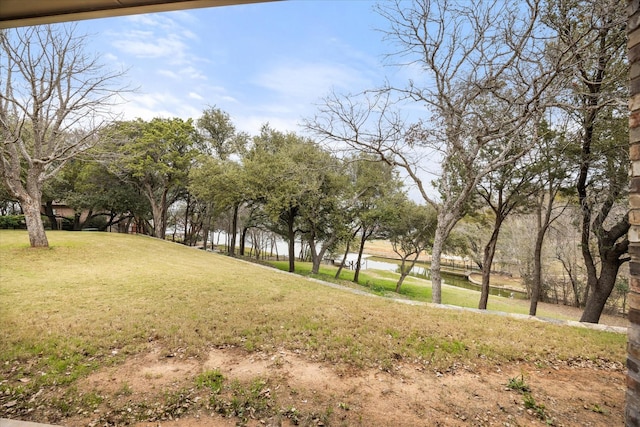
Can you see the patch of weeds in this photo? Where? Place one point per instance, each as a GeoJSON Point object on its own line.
{"type": "Point", "coordinates": [212, 380]}
{"type": "Point", "coordinates": [125, 390]}
{"type": "Point", "coordinates": [64, 366]}
{"type": "Point", "coordinates": [518, 384]}
{"type": "Point", "coordinates": [62, 405]}
{"type": "Point", "coordinates": [278, 362]}
{"type": "Point", "coordinates": [91, 400]}
{"type": "Point", "coordinates": [14, 401]}
{"type": "Point", "coordinates": [246, 402]}
{"type": "Point", "coordinates": [386, 365]}
{"type": "Point", "coordinates": [292, 414]}
{"type": "Point", "coordinates": [376, 289]}
{"type": "Point", "coordinates": [176, 404]}
{"type": "Point", "coordinates": [599, 409]}
{"type": "Point", "coordinates": [423, 346]}
{"type": "Point", "coordinates": [299, 418]}
{"type": "Point", "coordinates": [537, 408]}
{"type": "Point", "coordinates": [541, 364]}
{"type": "Point", "coordinates": [452, 347]}
{"type": "Point", "coordinates": [392, 333]}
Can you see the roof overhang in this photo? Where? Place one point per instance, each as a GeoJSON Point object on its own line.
{"type": "Point", "coordinates": [18, 13]}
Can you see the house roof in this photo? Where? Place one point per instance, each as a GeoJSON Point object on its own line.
{"type": "Point", "coordinates": [18, 13]}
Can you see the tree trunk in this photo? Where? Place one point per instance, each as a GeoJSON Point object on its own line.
{"type": "Point", "coordinates": [48, 211]}
{"type": "Point", "coordinates": [206, 226]}
{"type": "Point", "coordinates": [318, 256]}
{"type": "Point", "coordinates": [187, 236]}
{"type": "Point", "coordinates": [489, 252]}
{"type": "Point", "coordinates": [363, 239]}
{"type": "Point", "coordinates": [77, 224]}
{"type": "Point", "coordinates": [234, 230]}
{"type": "Point", "coordinates": [33, 219]}
{"type": "Point", "coordinates": [163, 216]}
{"type": "Point", "coordinates": [346, 252]}
{"type": "Point", "coordinates": [315, 258]}
{"type": "Point", "coordinates": [158, 211]}
{"type": "Point", "coordinates": [291, 236]}
{"type": "Point", "coordinates": [243, 238]}
{"type": "Point", "coordinates": [404, 272]}
{"type": "Point", "coordinates": [601, 289]}
{"type": "Point", "coordinates": [436, 254]}
{"type": "Point", "coordinates": [536, 286]}
{"type": "Point", "coordinates": [30, 199]}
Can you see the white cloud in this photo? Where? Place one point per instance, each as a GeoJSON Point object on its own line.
{"type": "Point", "coordinates": [169, 73]}
{"type": "Point", "coordinates": [159, 104]}
{"type": "Point", "coordinates": [109, 57]}
{"type": "Point", "coordinates": [183, 73]}
{"type": "Point", "coordinates": [229, 99]}
{"type": "Point", "coordinates": [159, 36]}
{"type": "Point", "coordinates": [167, 22]}
{"type": "Point", "coordinates": [310, 81]}
{"type": "Point", "coordinates": [192, 73]}
{"type": "Point", "coordinates": [147, 45]}
{"type": "Point", "coordinates": [215, 95]}
{"type": "Point", "coordinates": [253, 123]}
{"type": "Point", "coordinates": [194, 95]}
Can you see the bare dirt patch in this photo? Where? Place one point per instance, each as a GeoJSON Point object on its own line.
{"type": "Point", "coordinates": [155, 370]}
{"type": "Point", "coordinates": [301, 392]}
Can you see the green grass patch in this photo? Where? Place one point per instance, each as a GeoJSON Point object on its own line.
{"type": "Point", "coordinates": [383, 283]}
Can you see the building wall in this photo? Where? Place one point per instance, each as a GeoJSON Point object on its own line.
{"type": "Point", "coordinates": [633, 356]}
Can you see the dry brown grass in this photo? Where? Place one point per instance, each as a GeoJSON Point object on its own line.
{"type": "Point", "coordinates": [98, 298]}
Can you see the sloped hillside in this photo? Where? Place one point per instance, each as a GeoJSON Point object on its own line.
{"type": "Point", "coordinates": [109, 329]}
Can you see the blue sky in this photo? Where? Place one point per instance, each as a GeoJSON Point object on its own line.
{"type": "Point", "coordinates": [266, 62]}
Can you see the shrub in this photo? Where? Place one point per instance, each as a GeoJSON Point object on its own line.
{"type": "Point", "coordinates": [12, 221]}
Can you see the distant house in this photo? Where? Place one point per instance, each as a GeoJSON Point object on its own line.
{"type": "Point", "coordinates": [59, 211]}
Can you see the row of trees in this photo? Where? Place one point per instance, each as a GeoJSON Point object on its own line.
{"type": "Point", "coordinates": [277, 182]}
{"type": "Point", "coordinates": [510, 91]}
{"type": "Point", "coordinates": [522, 109]}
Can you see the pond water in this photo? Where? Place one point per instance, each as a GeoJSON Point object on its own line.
{"type": "Point", "coordinates": [458, 280]}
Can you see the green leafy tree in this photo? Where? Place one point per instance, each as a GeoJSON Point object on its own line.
{"type": "Point", "coordinates": [299, 187]}
{"type": "Point", "coordinates": [222, 186]}
{"type": "Point", "coordinates": [227, 146]}
{"type": "Point", "coordinates": [325, 200]}
{"type": "Point", "coordinates": [102, 192]}
{"type": "Point", "coordinates": [220, 135]}
{"type": "Point", "coordinates": [156, 157]}
{"type": "Point", "coordinates": [272, 176]}
{"type": "Point", "coordinates": [378, 193]}
{"type": "Point", "coordinates": [410, 234]}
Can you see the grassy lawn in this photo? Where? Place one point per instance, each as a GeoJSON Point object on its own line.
{"type": "Point", "coordinates": [95, 299]}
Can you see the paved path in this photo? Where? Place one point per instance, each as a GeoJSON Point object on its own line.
{"type": "Point", "coordinates": [572, 323]}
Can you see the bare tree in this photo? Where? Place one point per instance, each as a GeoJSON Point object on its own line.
{"type": "Point", "coordinates": [596, 101]}
{"type": "Point", "coordinates": [566, 245]}
{"type": "Point", "coordinates": [53, 100]}
{"type": "Point", "coordinates": [505, 190]}
{"type": "Point", "coordinates": [485, 77]}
